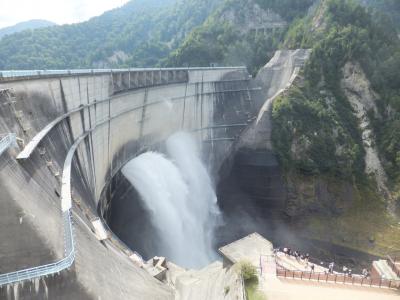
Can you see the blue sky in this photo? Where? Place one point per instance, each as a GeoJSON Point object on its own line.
{"type": "Point", "coordinates": [58, 11]}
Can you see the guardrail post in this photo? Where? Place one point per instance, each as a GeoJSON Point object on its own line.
{"type": "Point", "coordinates": [318, 277]}
{"type": "Point", "coordinates": [336, 277]}
{"type": "Point", "coordinates": [380, 282]}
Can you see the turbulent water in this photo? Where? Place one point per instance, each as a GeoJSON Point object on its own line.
{"type": "Point", "coordinates": [179, 196]}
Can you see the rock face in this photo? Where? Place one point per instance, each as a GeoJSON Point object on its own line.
{"type": "Point", "coordinates": [358, 91]}
{"type": "Point", "coordinates": [307, 195]}
{"type": "Point", "coordinates": [274, 78]}
{"type": "Point", "coordinates": [252, 17]}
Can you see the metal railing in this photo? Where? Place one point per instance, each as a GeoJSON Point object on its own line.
{"type": "Point", "coordinates": [69, 249]}
{"type": "Point", "coordinates": [38, 73]}
{"type": "Point", "coordinates": [48, 269]}
{"type": "Point", "coordinates": [338, 278]}
{"type": "Point", "coordinates": [6, 141]}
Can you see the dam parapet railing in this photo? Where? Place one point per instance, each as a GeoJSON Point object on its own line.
{"type": "Point", "coordinates": [39, 73]}
{"type": "Point", "coordinates": [144, 76]}
{"type": "Point", "coordinates": [69, 248]}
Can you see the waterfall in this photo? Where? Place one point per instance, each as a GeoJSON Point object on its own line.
{"type": "Point", "coordinates": [178, 193]}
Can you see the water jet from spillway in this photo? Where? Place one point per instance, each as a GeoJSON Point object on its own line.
{"type": "Point", "coordinates": [179, 196]}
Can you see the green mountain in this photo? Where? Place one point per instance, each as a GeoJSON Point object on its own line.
{"type": "Point", "coordinates": [138, 34]}
{"type": "Point", "coordinates": [390, 8]}
{"type": "Point", "coordinates": [239, 32]}
{"type": "Point", "coordinates": [31, 24]}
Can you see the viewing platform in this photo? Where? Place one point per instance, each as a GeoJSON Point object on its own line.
{"type": "Point", "coordinates": [284, 276]}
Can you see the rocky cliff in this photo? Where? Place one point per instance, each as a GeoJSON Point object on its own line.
{"type": "Point", "coordinates": [333, 130]}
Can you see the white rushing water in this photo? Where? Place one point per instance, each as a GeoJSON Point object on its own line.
{"type": "Point", "coordinates": [178, 194]}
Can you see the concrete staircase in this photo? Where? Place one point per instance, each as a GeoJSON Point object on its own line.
{"type": "Point", "coordinates": [384, 270]}
{"type": "Point", "coordinates": [291, 263]}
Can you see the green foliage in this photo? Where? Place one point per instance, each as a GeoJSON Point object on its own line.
{"type": "Point", "coordinates": [145, 31]}
{"type": "Point", "coordinates": [249, 275]}
{"type": "Point", "coordinates": [390, 8]}
{"type": "Point", "coordinates": [222, 43]}
{"type": "Point", "coordinates": [310, 136]}
{"type": "Point", "coordinates": [226, 43]}
{"type": "Point", "coordinates": [252, 292]}
{"type": "Point", "coordinates": [288, 9]}
{"type": "Point", "coordinates": [323, 126]}
{"type": "Point", "coordinates": [226, 290]}
{"type": "Point", "coordinates": [248, 271]}
{"type": "Point", "coordinates": [149, 33]}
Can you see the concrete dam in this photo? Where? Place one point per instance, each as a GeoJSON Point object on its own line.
{"type": "Point", "coordinates": [66, 135]}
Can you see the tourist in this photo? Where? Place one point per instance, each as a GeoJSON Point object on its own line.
{"type": "Point", "coordinates": [345, 270]}
{"type": "Point", "coordinates": [331, 266]}
{"type": "Point", "coordinates": [312, 268]}
{"type": "Point", "coordinates": [365, 273]}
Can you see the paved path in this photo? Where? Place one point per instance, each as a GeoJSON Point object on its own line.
{"type": "Point", "coordinates": [285, 289]}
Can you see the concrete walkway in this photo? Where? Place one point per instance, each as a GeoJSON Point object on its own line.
{"type": "Point", "coordinates": [285, 289]}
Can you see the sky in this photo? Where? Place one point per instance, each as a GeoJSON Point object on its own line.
{"type": "Point", "coordinates": [58, 11]}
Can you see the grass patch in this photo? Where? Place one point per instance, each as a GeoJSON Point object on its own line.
{"type": "Point", "coordinates": [252, 291]}
{"type": "Point", "coordinates": [250, 277]}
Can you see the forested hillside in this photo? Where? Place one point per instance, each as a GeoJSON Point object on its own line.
{"type": "Point", "coordinates": [389, 7]}
{"type": "Point", "coordinates": [240, 32]}
{"type": "Point", "coordinates": [138, 34]}
{"type": "Point", "coordinates": [31, 24]}
{"type": "Point", "coordinates": [149, 33]}
{"type": "Point", "coordinates": [346, 32]}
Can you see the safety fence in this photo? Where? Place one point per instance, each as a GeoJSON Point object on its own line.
{"type": "Point", "coordinates": [338, 278]}
{"type": "Point", "coordinates": [48, 269]}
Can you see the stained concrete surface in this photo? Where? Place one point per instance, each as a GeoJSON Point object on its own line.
{"type": "Point", "coordinates": [30, 189]}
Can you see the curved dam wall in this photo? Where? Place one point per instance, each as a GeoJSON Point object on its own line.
{"type": "Point", "coordinates": [117, 115]}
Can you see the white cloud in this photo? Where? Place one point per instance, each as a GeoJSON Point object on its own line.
{"type": "Point", "coordinates": [58, 11]}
